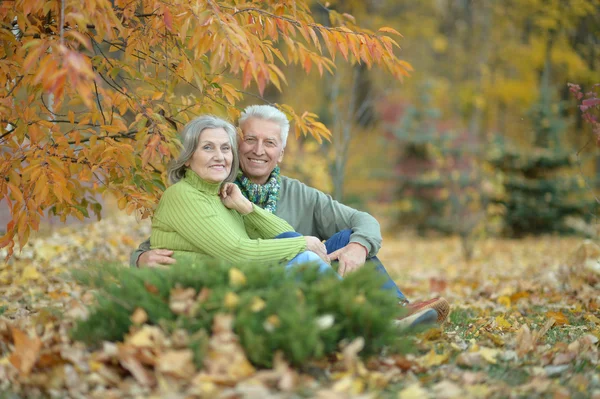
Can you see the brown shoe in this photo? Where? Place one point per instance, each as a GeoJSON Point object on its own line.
{"type": "Point", "coordinates": [439, 304]}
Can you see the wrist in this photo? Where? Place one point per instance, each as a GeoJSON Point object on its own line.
{"type": "Point", "coordinates": [248, 208]}
{"type": "Point", "coordinates": [363, 247]}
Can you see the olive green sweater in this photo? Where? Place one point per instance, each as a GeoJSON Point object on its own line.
{"type": "Point", "coordinates": [192, 221]}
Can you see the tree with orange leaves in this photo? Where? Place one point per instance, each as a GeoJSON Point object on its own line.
{"type": "Point", "coordinates": [91, 95]}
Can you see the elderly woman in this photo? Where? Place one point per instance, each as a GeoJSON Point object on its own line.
{"type": "Point", "coordinates": [203, 215]}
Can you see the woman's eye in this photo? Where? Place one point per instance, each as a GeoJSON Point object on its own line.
{"type": "Point", "coordinates": [206, 147]}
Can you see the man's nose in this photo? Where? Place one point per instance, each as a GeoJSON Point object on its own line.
{"type": "Point", "coordinates": [259, 148]}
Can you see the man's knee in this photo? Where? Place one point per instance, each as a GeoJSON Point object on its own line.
{"type": "Point", "coordinates": [338, 240]}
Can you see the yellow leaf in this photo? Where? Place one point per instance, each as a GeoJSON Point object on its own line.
{"type": "Point", "coordinates": [489, 354]}
{"type": "Point", "coordinates": [236, 278]}
{"type": "Point", "coordinates": [231, 300]}
{"type": "Point", "coordinates": [257, 304]}
{"type": "Point", "coordinates": [504, 301]}
{"type": "Point", "coordinates": [16, 193]}
{"type": "Point", "coordinates": [271, 323]}
{"type": "Point", "coordinates": [592, 318]}
{"type": "Point", "coordinates": [30, 273]}
{"type": "Point", "coordinates": [414, 391]}
{"type": "Point", "coordinates": [502, 323]}
{"type": "Point", "coordinates": [433, 359]}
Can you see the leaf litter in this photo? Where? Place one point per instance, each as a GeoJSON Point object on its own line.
{"type": "Point", "coordinates": [525, 322]}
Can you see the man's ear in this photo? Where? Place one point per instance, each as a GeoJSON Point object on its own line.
{"type": "Point", "coordinates": [280, 156]}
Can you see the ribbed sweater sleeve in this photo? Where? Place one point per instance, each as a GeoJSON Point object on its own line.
{"type": "Point", "coordinates": [265, 224]}
{"type": "Point", "coordinates": [205, 223]}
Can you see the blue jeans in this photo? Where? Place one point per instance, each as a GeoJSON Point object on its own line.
{"type": "Point", "coordinates": [340, 240]}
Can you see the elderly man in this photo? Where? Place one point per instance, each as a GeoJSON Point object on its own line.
{"type": "Point", "coordinates": [351, 236]}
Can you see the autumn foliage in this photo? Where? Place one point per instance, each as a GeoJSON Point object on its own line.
{"type": "Point", "coordinates": [92, 94]}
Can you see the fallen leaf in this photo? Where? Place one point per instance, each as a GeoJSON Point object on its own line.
{"type": "Point", "coordinates": [30, 273]}
{"type": "Point", "coordinates": [139, 316]}
{"type": "Point", "coordinates": [128, 360]}
{"type": "Point", "coordinates": [414, 391]}
{"type": "Point", "coordinates": [236, 278]}
{"type": "Point", "coordinates": [177, 363]}
{"type": "Point", "coordinates": [433, 359]}
{"type": "Point", "coordinates": [26, 352]}
{"type": "Point", "coordinates": [559, 318]}
{"type": "Point", "coordinates": [147, 337]}
{"type": "Point", "coordinates": [447, 390]}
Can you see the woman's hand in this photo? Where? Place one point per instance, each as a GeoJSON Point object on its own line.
{"type": "Point", "coordinates": [232, 198]}
{"type": "Point", "coordinates": [315, 245]}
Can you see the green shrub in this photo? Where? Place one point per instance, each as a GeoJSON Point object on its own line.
{"type": "Point", "coordinates": [302, 313]}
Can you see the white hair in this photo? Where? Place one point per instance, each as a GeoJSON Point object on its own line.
{"type": "Point", "coordinates": [267, 113]}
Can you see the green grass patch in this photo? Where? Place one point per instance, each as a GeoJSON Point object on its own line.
{"type": "Point", "coordinates": [508, 373]}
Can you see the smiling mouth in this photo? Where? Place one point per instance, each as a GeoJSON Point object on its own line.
{"type": "Point", "coordinates": [257, 161]}
{"type": "Point", "coordinates": [218, 166]}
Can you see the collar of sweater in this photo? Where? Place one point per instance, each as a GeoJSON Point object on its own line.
{"type": "Point", "coordinates": [200, 184]}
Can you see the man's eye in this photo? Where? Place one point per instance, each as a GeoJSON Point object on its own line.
{"type": "Point", "coordinates": [250, 140]}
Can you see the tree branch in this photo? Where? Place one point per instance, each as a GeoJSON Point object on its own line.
{"type": "Point", "coordinates": [14, 86]}
{"type": "Point", "coordinates": [98, 101]}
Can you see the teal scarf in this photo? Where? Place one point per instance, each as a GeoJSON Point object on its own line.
{"type": "Point", "coordinates": [264, 195]}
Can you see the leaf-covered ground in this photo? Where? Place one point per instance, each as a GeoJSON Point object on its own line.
{"type": "Point", "coordinates": [525, 323]}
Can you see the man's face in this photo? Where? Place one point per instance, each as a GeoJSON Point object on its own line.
{"type": "Point", "coordinates": [260, 149]}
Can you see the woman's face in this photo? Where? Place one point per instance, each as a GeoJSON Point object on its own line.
{"type": "Point", "coordinates": [213, 156]}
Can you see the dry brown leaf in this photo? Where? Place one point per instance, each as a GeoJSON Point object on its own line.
{"type": "Point", "coordinates": [147, 337]}
{"type": "Point", "coordinates": [128, 360]}
{"type": "Point", "coordinates": [177, 363]}
{"type": "Point", "coordinates": [350, 354]}
{"type": "Point", "coordinates": [139, 316]}
{"type": "Point", "coordinates": [26, 352]}
{"type": "Point", "coordinates": [225, 361]}
{"type": "Point", "coordinates": [181, 300]}
{"type": "Point", "coordinates": [525, 341]}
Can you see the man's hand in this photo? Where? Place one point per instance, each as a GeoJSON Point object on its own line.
{"type": "Point", "coordinates": [156, 258]}
{"type": "Point", "coordinates": [352, 257]}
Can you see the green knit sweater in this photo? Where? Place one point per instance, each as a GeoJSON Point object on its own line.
{"type": "Point", "coordinates": [192, 221]}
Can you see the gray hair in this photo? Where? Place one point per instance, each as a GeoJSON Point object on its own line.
{"type": "Point", "coordinates": [267, 113]}
{"type": "Point", "coordinates": [190, 137]}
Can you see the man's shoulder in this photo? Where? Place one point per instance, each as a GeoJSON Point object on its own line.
{"type": "Point", "coordinates": [296, 185]}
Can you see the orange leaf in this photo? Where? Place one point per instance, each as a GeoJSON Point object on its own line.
{"type": "Point", "coordinates": [558, 317]}
{"type": "Point", "coordinates": [389, 30]}
{"type": "Point", "coordinates": [26, 352]}
{"type": "Point", "coordinates": [247, 75]}
{"type": "Point", "coordinates": [168, 18]}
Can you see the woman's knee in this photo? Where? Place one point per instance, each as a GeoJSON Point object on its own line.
{"type": "Point", "coordinates": [289, 234]}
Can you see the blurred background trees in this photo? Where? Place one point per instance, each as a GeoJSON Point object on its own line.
{"type": "Point", "coordinates": [490, 83]}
